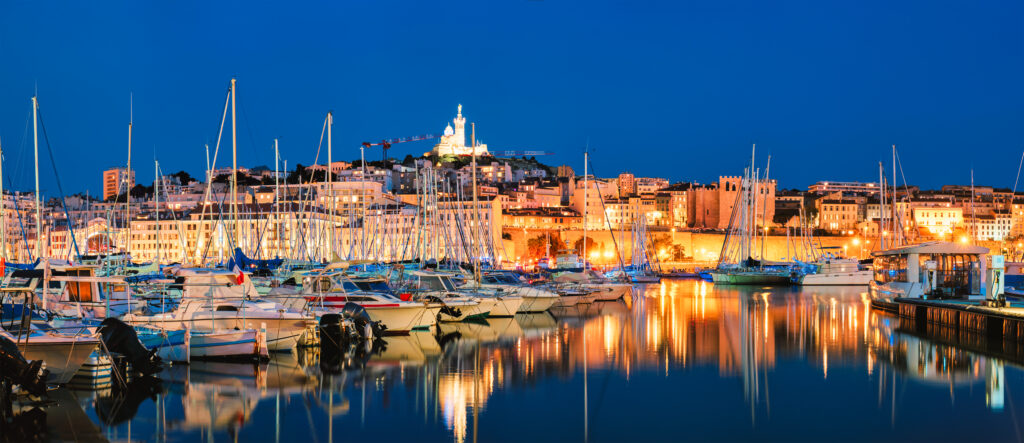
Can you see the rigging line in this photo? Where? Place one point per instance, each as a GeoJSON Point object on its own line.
{"type": "Point", "coordinates": [213, 163]}
{"type": "Point", "coordinates": [1015, 181]}
{"type": "Point", "coordinates": [56, 176]}
{"type": "Point", "coordinates": [174, 217]}
{"type": "Point", "coordinates": [248, 127]}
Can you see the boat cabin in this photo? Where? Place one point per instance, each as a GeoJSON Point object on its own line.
{"type": "Point", "coordinates": [934, 270]}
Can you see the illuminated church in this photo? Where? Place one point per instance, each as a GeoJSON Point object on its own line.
{"type": "Point", "coordinates": [453, 142]}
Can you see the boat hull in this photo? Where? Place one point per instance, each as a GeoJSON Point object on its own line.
{"type": "Point", "coordinates": [537, 303]}
{"type": "Point", "coordinates": [505, 306]}
{"type": "Point", "coordinates": [854, 278]}
{"type": "Point", "coordinates": [243, 344]}
{"type": "Point", "coordinates": [282, 333]}
{"type": "Point", "coordinates": [610, 291]}
{"type": "Point", "coordinates": [751, 278]}
{"type": "Point", "coordinates": [62, 358]}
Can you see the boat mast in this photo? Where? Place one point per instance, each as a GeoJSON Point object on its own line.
{"type": "Point", "coordinates": [3, 210]}
{"type": "Point", "coordinates": [764, 207]}
{"type": "Point", "coordinates": [586, 159]}
{"type": "Point", "coordinates": [974, 219]}
{"type": "Point", "coordinates": [881, 208]}
{"type": "Point", "coordinates": [128, 180]}
{"type": "Point", "coordinates": [362, 184]}
{"type": "Point", "coordinates": [474, 239]}
{"type": "Point", "coordinates": [330, 188]}
{"type": "Point", "coordinates": [35, 144]}
{"type": "Point", "coordinates": [156, 195]}
{"type": "Point", "coordinates": [277, 199]}
{"type": "Point", "coordinates": [234, 169]}
{"type": "Point", "coordinates": [897, 231]}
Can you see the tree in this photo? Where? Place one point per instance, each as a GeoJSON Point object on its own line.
{"type": "Point", "coordinates": [538, 246]}
{"type": "Point", "coordinates": [591, 245]}
{"type": "Point", "coordinates": [661, 246]}
{"type": "Point", "coordinates": [183, 177]}
{"type": "Point", "coordinates": [140, 191]}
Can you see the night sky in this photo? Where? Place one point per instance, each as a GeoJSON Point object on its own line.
{"type": "Point", "coordinates": [675, 89]}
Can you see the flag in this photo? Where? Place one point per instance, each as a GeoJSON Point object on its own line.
{"type": "Point", "coordinates": [239, 275]}
{"type": "Point", "coordinates": [3, 266]}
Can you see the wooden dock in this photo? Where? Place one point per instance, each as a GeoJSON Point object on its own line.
{"type": "Point", "coordinates": [995, 329]}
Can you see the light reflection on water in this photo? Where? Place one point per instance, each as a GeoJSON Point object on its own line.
{"type": "Point", "coordinates": [680, 360]}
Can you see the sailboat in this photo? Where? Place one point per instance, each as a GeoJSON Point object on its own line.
{"type": "Point", "coordinates": [736, 264]}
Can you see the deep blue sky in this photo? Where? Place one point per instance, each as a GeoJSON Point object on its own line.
{"type": "Point", "coordinates": [677, 89]}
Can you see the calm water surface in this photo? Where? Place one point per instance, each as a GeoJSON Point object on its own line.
{"type": "Point", "coordinates": [680, 360]}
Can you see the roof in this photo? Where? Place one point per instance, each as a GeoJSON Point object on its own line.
{"type": "Point", "coordinates": [936, 247]}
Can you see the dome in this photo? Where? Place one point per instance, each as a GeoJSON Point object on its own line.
{"type": "Point", "coordinates": [448, 130]}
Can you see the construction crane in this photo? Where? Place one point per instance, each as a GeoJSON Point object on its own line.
{"type": "Point", "coordinates": [520, 153]}
{"type": "Point", "coordinates": [386, 144]}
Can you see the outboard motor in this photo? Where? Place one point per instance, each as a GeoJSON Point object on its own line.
{"type": "Point", "coordinates": [15, 370]}
{"type": "Point", "coordinates": [366, 327]}
{"type": "Point", "coordinates": [118, 337]}
{"type": "Point", "coordinates": [334, 331]}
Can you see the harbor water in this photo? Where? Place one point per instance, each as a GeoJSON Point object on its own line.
{"type": "Point", "coordinates": [680, 360]}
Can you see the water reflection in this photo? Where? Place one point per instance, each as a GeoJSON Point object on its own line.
{"type": "Point", "coordinates": [725, 363]}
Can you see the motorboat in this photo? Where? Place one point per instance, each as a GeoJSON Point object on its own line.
{"type": "Point", "coordinates": [431, 286]}
{"type": "Point", "coordinates": [832, 271]}
{"type": "Point", "coordinates": [602, 288]}
{"type": "Point", "coordinates": [331, 290]}
{"type": "Point", "coordinates": [62, 354]}
{"type": "Point", "coordinates": [216, 300]}
{"type": "Point", "coordinates": [535, 298]}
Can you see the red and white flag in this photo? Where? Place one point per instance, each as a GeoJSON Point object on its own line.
{"type": "Point", "coordinates": [239, 275]}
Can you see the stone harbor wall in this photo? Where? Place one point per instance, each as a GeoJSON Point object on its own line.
{"type": "Point", "coordinates": [699, 246]}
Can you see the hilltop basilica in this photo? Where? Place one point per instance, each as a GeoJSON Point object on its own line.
{"type": "Point", "coordinates": [453, 142]}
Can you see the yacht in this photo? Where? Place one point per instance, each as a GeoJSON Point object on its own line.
{"type": "Point", "coordinates": [838, 272]}
{"type": "Point", "coordinates": [462, 305]}
{"type": "Point", "coordinates": [535, 298]}
{"type": "Point", "coordinates": [329, 291]}
{"type": "Point", "coordinates": [932, 270]}
{"type": "Point", "coordinates": [216, 300]}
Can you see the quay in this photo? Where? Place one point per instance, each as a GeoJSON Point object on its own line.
{"type": "Point", "coordinates": [997, 329]}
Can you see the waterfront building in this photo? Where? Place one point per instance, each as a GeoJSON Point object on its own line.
{"type": "Point", "coordinates": [729, 187]}
{"type": "Point", "coordinates": [671, 203]}
{"type": "Point", "coordinates": [838, 214]}
{"type": "Point", "coordinates": [627, 184]}
{"type": "Point", "coordinates": [828, 187]}
{"type": "Point", "coordinates": [336, 167]}
{"type": "Point", "coordinates": [989, 227]}
{"type": "Point", "coordinates": [117, 181]}
{"type": "Point", "coordinates": [938, 221]}
{"type": "Point", "coordinates": [543, 218]}
{"type": "Point", "coordinates": [649, 185]}
{"type": "Point", "coordinates": [598, 192]}
{"type": "Point", "coordinates": [565, 171]}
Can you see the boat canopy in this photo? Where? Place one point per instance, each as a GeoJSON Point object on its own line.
{"type": "Point", "coordinates": [937, 247]}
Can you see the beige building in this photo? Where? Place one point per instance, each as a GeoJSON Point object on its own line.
{"type": "Point", "coordinates": [938, 221]}
{"type": "Point", "coordinates": [837, 214]}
